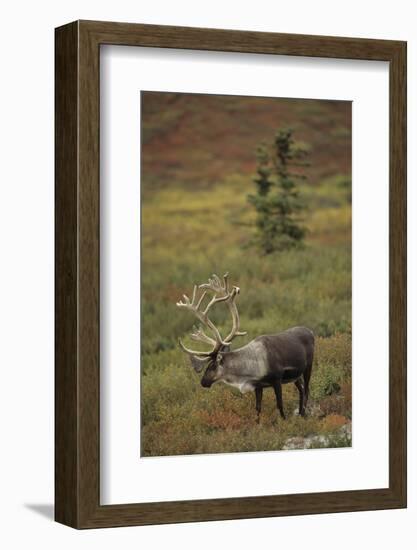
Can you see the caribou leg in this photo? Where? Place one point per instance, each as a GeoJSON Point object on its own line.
{"type": "Point", "coordinates": [278, 395]}
{"type": "Point", "coordinates": [258, 396]}
{"type": "Point", "coordinates": [300, 388]}
{"type": "Point", "coordinates": [306, 377]}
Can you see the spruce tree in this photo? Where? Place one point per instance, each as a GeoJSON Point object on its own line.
{"type": "Point", "coordinates": [277, 201]}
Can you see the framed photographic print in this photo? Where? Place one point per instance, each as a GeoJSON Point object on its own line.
{"type": "Point", "coordinates": [230, 274]}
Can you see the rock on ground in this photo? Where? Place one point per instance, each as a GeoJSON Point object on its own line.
{"type": "Point", "coordinates": [299, 442]}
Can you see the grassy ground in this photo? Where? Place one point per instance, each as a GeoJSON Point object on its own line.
{"type": "Point", "coordinates": [191, 230]}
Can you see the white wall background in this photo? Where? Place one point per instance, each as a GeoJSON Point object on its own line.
{"type": "Point", "coordinates": [26, 272]}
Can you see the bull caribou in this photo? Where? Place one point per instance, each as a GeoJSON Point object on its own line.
{"type": "Point", "coordinates": [267, 361]}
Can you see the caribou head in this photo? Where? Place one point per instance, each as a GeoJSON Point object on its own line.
{"type": "Point", "coordinates": [212, 360]}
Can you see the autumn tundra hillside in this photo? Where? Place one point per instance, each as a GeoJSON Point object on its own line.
{"type": "Point", "coordinates": [197, 139]}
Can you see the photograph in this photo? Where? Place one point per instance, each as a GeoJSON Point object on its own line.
{"type": "Point", "coordinates": [246, 287]}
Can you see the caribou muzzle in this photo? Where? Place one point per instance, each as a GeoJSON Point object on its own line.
{"type": "Point", "coordinates": [206, 383]}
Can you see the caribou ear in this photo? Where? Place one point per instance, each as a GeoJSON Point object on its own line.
{"type": "Point", "coordinates": [198, 363]}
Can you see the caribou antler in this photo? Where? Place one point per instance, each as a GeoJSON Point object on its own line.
{"type": "Point", "coordinates": [200, 336]}
{"type": "Point", "coordinates": [221, 294]}
{"type": "Point", "coordinates": [217, 287]}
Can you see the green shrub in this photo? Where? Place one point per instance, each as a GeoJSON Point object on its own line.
{"type": "Point", "coordinates": [326, 380]}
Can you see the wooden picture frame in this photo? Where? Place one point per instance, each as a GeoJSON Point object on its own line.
{"type": "Point", "coordinates": [77, 382]}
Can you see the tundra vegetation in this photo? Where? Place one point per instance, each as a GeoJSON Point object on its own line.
{"type": "Point", "coordinates": [198, 165]}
